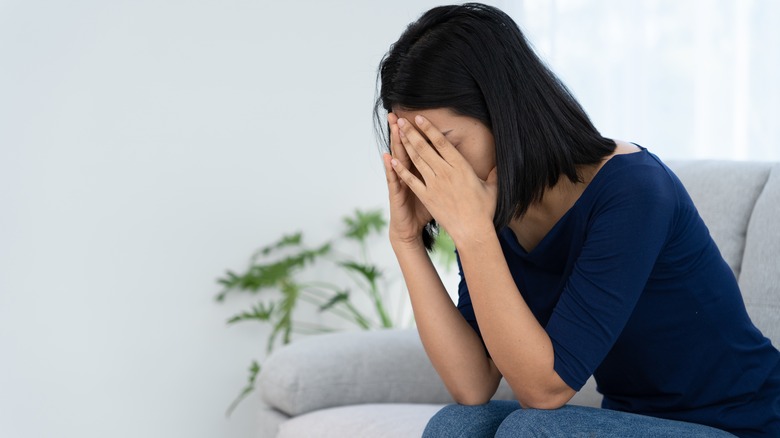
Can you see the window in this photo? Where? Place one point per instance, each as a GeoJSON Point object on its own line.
{"type": "Point", "coordinates": [686, 79]}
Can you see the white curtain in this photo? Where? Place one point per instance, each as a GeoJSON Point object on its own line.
{"type": "Point", "coordinates": [685, 78]}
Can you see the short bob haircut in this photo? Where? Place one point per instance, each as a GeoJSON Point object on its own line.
{"type": "Point", "coordinates": [474, 60]}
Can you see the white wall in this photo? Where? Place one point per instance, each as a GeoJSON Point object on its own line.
{"type": "Point", "coordinates": [145, 147]}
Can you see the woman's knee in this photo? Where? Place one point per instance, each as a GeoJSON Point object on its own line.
{"type": "Point", "coordinates": [461, 421]}
{"type": "Point", "coordinates": [527, 423]}
{"type": "Point", "coordinates": [574, 421]}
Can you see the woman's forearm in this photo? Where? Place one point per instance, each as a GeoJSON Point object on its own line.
{"type": "Point", "coordinates": [518, 344]}
{"type": "Point", "coordinates": [453, 347]}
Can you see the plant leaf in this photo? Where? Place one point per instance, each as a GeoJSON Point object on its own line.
{"type": "Point", "coordinates": [335, 299]}
{"type": "Point", "coordinates": [272, 274]}
{"type": "Point", "coordinates": [254, 370]}
{"type": "Point", "coordinates": [363, 223]}
{"type": "Point", "coordinates": [286, 240]}
{"type": "Point", "coordinates": [369, 272]}
{"type": "Point", "coordinates": [444, 249]}
{"type": "Point", "coordinates": [259, 312]}
{"type": "Point", "coordinates": [229, 281]}
{"type": "Point", "coordinates": [283, 325]}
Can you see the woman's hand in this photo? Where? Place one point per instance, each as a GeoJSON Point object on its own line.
{"type": "Point", "coordinates": [446, 186]}
{"type": "Point", "coordinates": [408, 216]}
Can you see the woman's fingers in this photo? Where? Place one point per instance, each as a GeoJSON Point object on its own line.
{"type": "Point", "coordinates": [396, 147]}
{"type": "Point", "coordinates": [393, 183]}
{"type": "Point", "coordinates": [408, 178]}
{"type": "Point", "coordinates": [392, 119]}
{"type": "Point", "coordinates": [419, 154]}
{"type": "Point", "coordinates": [439, 141]}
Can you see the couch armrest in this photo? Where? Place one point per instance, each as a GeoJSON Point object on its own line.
{"type": "Point", "coordinates": [385, 366]}
{"type": "Point", "coordinates": [268, 421]}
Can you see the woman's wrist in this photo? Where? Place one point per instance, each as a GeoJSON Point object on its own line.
{"type": "Point", "coordinates": [474, 236]}
{"type": "Point", "coordinates": [406, 243]}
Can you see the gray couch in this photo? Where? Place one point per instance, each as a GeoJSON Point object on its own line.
{"type": "Point", "coordinates": [380, 384]}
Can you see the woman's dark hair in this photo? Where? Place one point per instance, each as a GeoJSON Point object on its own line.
{"type": "Point", "coordinates": [474, 60]}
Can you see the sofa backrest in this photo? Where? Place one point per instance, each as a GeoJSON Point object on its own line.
{"type": "Point", "coordinates": [740, 203]}
{"type": "Point", "coordinates": [760, 279]}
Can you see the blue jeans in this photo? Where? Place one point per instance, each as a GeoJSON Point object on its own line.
{"type": "Point", "coordinates": [505, 419]}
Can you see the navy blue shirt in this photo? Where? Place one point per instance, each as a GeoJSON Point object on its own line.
{"type": "Point", "coordinates": [632, 289]}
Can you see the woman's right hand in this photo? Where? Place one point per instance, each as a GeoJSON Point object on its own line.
{"type": "Point", "coordinates": [408, 216]}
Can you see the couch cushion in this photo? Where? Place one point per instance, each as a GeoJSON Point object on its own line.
{"type": "Point", "coordinates": [588, 395]}
{"type": "Point", "coordinates": [724, 193]}
{"type": "Point", "coordinates": [369, 420]}
{"type": "Point", "coordinates": [760, 279]}
{"type": "Point", "coordinates": [383, 366]}
{"type": "Point", "coordinates": [387, 420]}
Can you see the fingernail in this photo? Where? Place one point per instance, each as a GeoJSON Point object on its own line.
{"type": "Point", "coordinates": [401, 122]}
{"type": "Point", "coordinates": [394, 162]}
{"type": "Point", "coordinates": [419, 119]}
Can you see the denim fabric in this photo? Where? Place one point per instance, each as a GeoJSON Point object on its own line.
{"type": "Point", "coordinates": [505, 419]}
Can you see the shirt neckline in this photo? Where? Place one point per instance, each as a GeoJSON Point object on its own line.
{"type": "Point", "coordinates": [515, 244]}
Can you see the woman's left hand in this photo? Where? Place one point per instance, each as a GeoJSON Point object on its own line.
{"type": "Point", "coordinates": [455, 196]}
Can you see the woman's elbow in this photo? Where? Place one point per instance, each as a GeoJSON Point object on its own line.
{"type": "Point", "coordinates": [471, 396]}
{"type": "Point", "coordinates": [545, 399]}
{"type": "Point", "coordinates": [546, 403]}
{"type": "Point", "coordinates": [471, 400]}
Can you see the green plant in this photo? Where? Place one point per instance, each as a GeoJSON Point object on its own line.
{"type": "Point", "coordinates": [277, 274]}
{"type": "Point", "coordinates": [279, 267]}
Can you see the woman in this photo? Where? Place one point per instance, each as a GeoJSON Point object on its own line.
{"type": "Point", "coordinates": [580, 255]}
